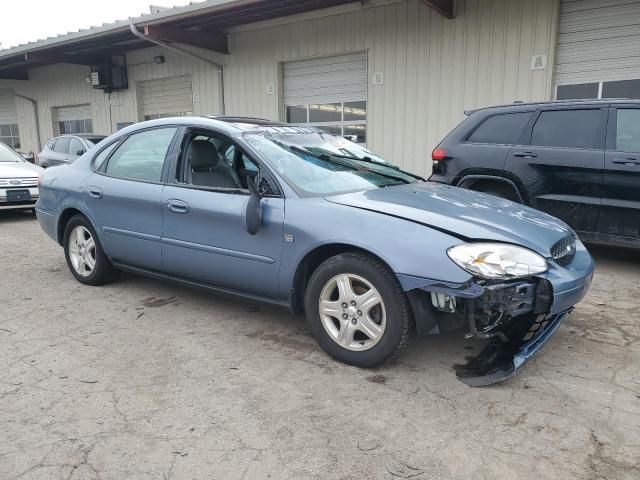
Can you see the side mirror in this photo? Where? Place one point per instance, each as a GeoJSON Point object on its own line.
{"type": "Point", "coordinates": [253, 211]}
{"type": "Point", "coordinates": [80, 153]}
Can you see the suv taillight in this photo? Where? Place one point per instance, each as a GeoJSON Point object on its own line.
{"type": "Point", "coordinates": [439, 154]}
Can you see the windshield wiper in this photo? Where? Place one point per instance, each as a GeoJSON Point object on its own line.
{"type": "Point", "coordinates": [328, 158]}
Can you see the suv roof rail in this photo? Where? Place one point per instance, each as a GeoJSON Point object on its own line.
{"type": "Point", "coordinates": [520, 103]}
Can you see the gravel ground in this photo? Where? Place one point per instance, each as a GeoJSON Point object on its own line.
{"type": "Point", "coordinates": [145, 380]}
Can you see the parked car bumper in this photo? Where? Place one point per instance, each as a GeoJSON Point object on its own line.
{"type": "Point", "coordinates": [48, 223]}
{"type": "Point", "coordinates": [19, 205]}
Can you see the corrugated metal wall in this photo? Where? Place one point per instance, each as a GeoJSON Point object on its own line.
{"type": "Point", "coordinates": [598, 41]}
{"type": "Point", "coordinates": [434, 68]}
{"type": "Point", "coordinates": [63, 85]}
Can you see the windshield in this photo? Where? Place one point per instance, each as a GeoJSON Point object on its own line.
{"type": "Point", "coordinates": [8, 156]}
{"type": "Point", "coordinates": [318, 163]}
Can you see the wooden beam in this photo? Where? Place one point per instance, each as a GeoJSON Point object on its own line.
{"type": "Point", "coordinates": [50, 58]}
{"type": "Point", "coordinates": [443, 7]}
{"type": "Point", "coordinates": [212, 40]}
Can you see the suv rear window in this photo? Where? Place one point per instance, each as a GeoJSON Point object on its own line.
{"type": "Point", "coordinates": [502, 129]}
{"type": "Point", "coordinates": [569, 129]}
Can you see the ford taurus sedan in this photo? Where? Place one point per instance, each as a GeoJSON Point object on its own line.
{"type": "Point", "coordinates": [18, 181]}
{"type": "Point", "coordinates": [301, 218]}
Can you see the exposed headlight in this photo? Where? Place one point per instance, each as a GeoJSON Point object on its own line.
{"type": "Point", "coordinates": [497, 260]}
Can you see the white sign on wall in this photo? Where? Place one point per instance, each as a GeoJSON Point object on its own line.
{"type": "Point", "coordinates": [538, 62]}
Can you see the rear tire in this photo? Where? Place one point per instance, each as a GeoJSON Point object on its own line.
{"type": "Point", "coordinates": [357, 310]}
{"type": "Point", "coordinates": [83, 252]}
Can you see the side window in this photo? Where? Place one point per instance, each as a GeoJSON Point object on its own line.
{"type": "Point", "coordinates": [209, 161]}
{"type": "Point", "coordinates": [76, 147]}
{"type": "Point", "coordinates": [62, 146]}
{"type": "Point", "coordinates": [628, 130]}
{"type": "Point", "coordinates": [501, 129]}
{"type": "Point", "coordinates": [141, 156]}
{"type": "Point", "coordinates": [103, 155]}
{"type": "Point", "coordinates": [569, 129]}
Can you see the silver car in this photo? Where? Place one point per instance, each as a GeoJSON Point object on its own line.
{"type": "Point", "coordinates": [66, 149]}
{"type": "Point", "coordinates": [18, 181]}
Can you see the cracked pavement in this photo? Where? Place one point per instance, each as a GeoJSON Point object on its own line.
{"type": "Point", "coordinates": [146, 380]}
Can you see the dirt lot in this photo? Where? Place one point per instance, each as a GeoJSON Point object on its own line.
{"type": "Point", "coordinates": [146, 380]}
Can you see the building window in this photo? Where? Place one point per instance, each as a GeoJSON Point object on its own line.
{"type": "Point", "coordinates": [345, 119]}
{"type": "Point", "coordinates": [156, 116]}
{"type": "Point", "coordinates": [10, 135]}
{"type": "Point", "coordinates": [70, 127]}
{"type": "Point", "coordinates": [616, 89]}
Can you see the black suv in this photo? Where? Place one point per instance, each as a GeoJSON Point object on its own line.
{"type": "Point", "coordinates": [576, 160]}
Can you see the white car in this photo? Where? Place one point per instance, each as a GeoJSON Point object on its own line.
{"type": "Point", "coordinates": [18, 181]}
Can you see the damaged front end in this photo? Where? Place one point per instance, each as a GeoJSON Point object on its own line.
{"type": "Point", "coordinates": [512, 315]}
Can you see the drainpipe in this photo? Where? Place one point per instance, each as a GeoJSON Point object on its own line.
{"type": "Point", "coordinates": [35, 112]}
{"type": "Point", "coordinates": [186, 53]}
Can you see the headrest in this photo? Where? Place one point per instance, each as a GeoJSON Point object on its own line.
{"type": "Point", "coordinates": [203, 155]}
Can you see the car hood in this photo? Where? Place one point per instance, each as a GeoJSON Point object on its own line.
{"type": "Point", "coordinates": [462, 213]}
{"type": "Point", "coordinates": [19, 170]}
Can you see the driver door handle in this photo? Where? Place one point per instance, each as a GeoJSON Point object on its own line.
{"type": "Point", "coordinates": [178, 206]}
{"type": "Point", "coordinates": [626, 161]}
{"type": "Point", "coordinates": [525, 154]}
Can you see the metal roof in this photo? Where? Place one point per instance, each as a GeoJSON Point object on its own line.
{"type": "Point", "coordinates": [115, 38]}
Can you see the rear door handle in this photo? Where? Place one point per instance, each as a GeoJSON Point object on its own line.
{"type": "Point", "coordinates": [626, 161]}
{"type": "Point", "coordinates": [178, 206]}
{"type": "Point", "coordinates": [525, 154]}
{"type": "Point", "coordinates": [95, 192]}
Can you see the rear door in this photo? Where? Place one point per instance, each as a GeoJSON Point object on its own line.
{"type": "Point", "coordinates": [560, 162]}
{"type": "Point", "coordinates": [621, 191]}
{"type": "Point", "coordinates": [124, 193]}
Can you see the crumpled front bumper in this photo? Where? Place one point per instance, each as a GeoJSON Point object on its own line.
{"type": "Point", "coordinates": [527, 333]}
{"type": "Point", "coordinates": [500, 361]}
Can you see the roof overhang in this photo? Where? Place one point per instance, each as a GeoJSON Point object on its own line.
{"type": "Point", "coordinates": [201, 24]}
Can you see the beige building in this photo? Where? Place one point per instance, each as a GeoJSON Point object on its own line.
{"type": "Point", "coordinates": [394, 74]}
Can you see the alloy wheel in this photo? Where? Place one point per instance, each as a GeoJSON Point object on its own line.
{"type": "Point", "coordinates": [82, 251]}
{"type": "Point", "coordinates": [352, 312]}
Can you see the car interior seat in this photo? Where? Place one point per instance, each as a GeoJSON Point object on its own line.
{"type": "Point", "coordinates": [208, 169]}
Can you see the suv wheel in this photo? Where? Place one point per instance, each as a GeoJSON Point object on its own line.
{"type": "Point", "coordinates": [500, 191]}
{"type": "Point", "coordinates": [84, 254]}
{"type": "Point", "coordinates": [357, 310]}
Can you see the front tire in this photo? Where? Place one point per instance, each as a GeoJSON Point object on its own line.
{"type": "Point", "coordinates": [357, 310]}
{"type": "Point", "coordinates": [83, 252]}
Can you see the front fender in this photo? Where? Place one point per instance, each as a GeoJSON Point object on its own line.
{"type": "Point", "coordinates": [408, 248]}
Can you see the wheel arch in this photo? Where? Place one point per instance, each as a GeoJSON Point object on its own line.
{"type": "Point", "coordinates": [67, 214]}
{"type": "Point", "coordinates": [468, 181]}
{"type": "Point", "coordinates": [312, 260]}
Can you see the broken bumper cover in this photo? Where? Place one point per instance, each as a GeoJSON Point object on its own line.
{"type": "Point", "coordinates": [558, 291]}
{"type": "Point", "coordinates": [500, 361]}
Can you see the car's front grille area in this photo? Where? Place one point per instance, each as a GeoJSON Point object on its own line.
{"type": "Point", "coordinates": [18, 182]}
{"type": "Point", "coordinates": [564, 251]}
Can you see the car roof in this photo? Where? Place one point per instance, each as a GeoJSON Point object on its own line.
{"type": "Point", "coordinates": [534, 105]}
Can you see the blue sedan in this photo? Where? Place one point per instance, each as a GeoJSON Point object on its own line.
{"type": "Point", "coordinates": [298, 217]}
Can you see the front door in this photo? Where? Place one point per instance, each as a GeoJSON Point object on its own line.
{"type": "Point", "coordinates": [561, 163]}
{"type": "Point", "coordinates": [124, 197]}
{"type": "Point", "coordinates": [204, 235]}
{"type": "Point", "coordinates": [621, 192]}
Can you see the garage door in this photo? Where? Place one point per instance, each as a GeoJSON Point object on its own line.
{"type": "Point", "coordinates": [74, 119]}
{"type": "Point", "coordinates": [598, 49]}
{"type": "Point", "coordinates": [9, 133]}
{"type": "Point", "coordinates": [330, 93]}
{"type": "Point", "coordinates": [166, 97]}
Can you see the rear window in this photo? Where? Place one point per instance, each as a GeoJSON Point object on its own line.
{"type": "Point", "coordinates": [569, 129]}
{"type": "Point", "coordinates": [501, 129]}
{"type": "Point", "coordinates": [94, 140]}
